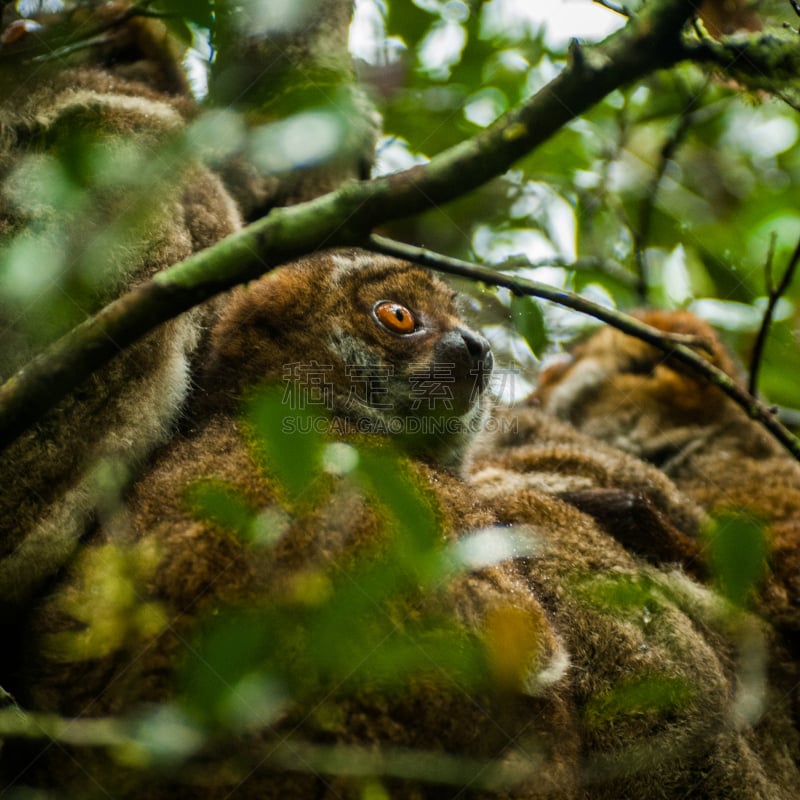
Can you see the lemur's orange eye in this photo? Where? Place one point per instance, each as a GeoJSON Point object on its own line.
{"type": "Point", "coordinates": [394, 317]}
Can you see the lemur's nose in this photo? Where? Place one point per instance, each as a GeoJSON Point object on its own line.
{"type": "Point", "coordinates": [479, 349]}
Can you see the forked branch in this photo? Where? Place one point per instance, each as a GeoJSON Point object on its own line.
{"type": "Point", "coordinates": [774, 294]}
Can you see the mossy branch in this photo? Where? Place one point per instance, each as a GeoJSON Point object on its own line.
{"type": "Point", "coordinates": [764, 61]}
{"type": "Point", "coordinates": [650, 41]}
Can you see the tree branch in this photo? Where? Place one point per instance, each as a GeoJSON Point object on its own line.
{"type": "Point", "coordinates": [617, 8]}
{"type": "Point", "coordinates": [774, 294]}
{"type": "Point", "coordinates": [758, 61]}
{"type": "Point", "coordinates": [641, 233]}
{"type": "Point", "coordinates": [524, 286]}
{"type": "Point", "coordinates": [609, 267]}
{"type": "Point", "coordinates": [676, 347]}
{"type": "Point", "coordinates": [648, 42]}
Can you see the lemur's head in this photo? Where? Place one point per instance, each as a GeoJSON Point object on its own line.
{"type": "Point", "coordinates": [626, 392]}
{"type": "Point", "coordinates": [368, 339]}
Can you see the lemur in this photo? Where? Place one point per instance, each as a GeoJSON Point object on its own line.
{"type": "Point", "coordinates": [603, 675]}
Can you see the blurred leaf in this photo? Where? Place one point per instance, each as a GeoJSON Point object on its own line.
{"type": "Point", "coordinates": [411, 514]}
{"type": "Point", "coordinates": [620, 289]}
{"type": "Point", "coordinates": [199, 12]}
{"type": "Point", "coordinates": [529, 321]}
{"type": "Point", "coordinates": [163, 737]}
{"type": "Point", "coordinates": [232, 650]}
{"type": "Point", "coordinates": [514, 643]}
{"type": "Point", "coordinates": [650, 695]}
{"type": "Point", "coordinates": [622, 593]}
{"type": "Point", "coordinates": [738, 553]}
{"type": "Point", "coordinates": [558, 159]}
{"type": "Point", "coordinates": [441, 652]}
{"type": "Point", "coordinates": [408, 21]}
{"type": "Point", "coordinates": [490, 546]}
{"type": "Point", "coordinates": [107, 605]}
{"type": "Point", "coordinates": [287, 439]}
{"type": "Point", "coordinates": [221, 505]}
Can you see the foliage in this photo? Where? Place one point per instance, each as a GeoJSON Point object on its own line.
{"type": "Point", "coordinates": [738, 553]}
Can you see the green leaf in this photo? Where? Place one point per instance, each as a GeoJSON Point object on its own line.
{"type": "Point", "coordinates": [199, 12]}
{"type": "Point", "coordinates": [411, 515]}
{"type": "Point", "coordinates": [409, 22]}
{"type": "Point", "coordinates": [621, 593]}
{"type": "Point", "coordinates": [655, 694]}
{"type": "Point", "coordinates": [287, 437]}
{"type": "Point", "coordinates": [738, 553]}
{"type": "Point", "coordinates": [529, 322]}
{"type": "Point", "coordinates": [221, 505]}
{"type": "Point", "coordinates": [779, 368]}
{"type": "Point", "coordinates": [232, 651]}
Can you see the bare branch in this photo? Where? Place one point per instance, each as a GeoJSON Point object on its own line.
{"type": "Point", "coordinates": [774, 294]}
{"type": "Point", "coordinates": [674, 346]}
{"type": "Point", "coordinates": [641, 233]}
{"type": "Point", "coordinates": [524, 286]}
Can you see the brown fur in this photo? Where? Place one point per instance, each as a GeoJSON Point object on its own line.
{"type": "Point", "coordinates": [527, 468]}
{"type": "Point", "coordinates": [622, 391]}
{"type": "Point", "coordinates": [126, 91]}
{"type": "Point", "coordinates": [311, 311]}
{"type": "Point", "coordinates": [71, 466]}
{"type": "Point", "coordinates": [560, 648]}
{"type": "Point", "coordinates": [110, 636]}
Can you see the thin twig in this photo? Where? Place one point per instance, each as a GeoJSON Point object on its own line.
{"type": "Point", "coordinates": [94, 732]}
{"type": "Point", "coordinates": [768, 278]}
{"type": "Point", "coordinates": [524, 286]}
{"type": "Point", "coordinates": [641, 233]}
{"type": "Point", "coordinates": [609, 268]}
{"type": "Point", "coordinates": [68, 49]}
{"type": "Point", "coordinates": [286, 753]}
{"type": "Point", "coordinates": [676, 347]}
{"type": "Point", "coordinates": [615, 7]}
{"type": "Point", "coordinates": [774, 294]}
